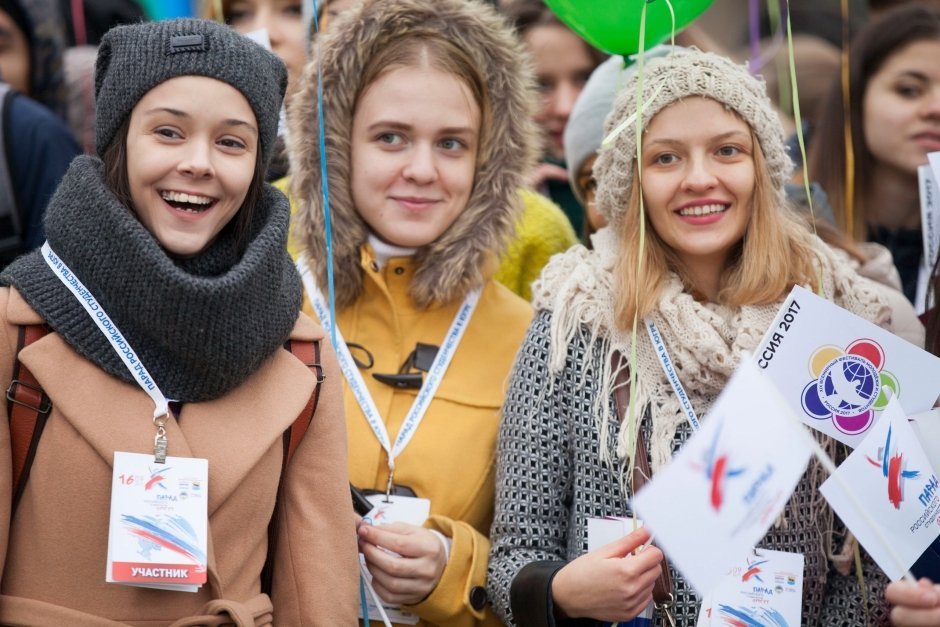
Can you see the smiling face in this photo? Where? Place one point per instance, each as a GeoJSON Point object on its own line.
{"type": "Point", "coordinates": [698, 180]}
{"type": "Point", "coordinates": [415, 137]}
{"type": "Point", "coordinates": [189, 166]}
{"type": "Point", "coordinates": [563, 64]}
{"type": "Point", "coordinates": [901, 107]}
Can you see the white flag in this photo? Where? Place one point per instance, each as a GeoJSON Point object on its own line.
{"type": "Point", "coordinates": [837, 370]}
{"type": "Point", "coordinates": [890, 477]}
{"type": "Point", "coordinates": [730, 481]}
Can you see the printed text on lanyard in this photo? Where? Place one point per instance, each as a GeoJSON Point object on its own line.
{"type": "Point", "coordinates": [671, 374]}
{"type": "Point", "coordinates": [358, 385]}
{"type": "Point", "coordinates": [119, 343]}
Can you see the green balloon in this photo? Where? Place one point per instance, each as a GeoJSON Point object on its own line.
{"type": "Point", "coordinates": [614, 25]}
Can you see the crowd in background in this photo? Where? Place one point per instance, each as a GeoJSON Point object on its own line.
{"type": "Point", "coordinates": [500, 123]}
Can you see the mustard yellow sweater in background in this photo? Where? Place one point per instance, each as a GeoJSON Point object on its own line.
{"type": "Point", "coordinates": [542, 231]}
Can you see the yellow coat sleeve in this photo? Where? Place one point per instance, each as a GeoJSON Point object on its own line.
{"type": "Point", "coordinates": [449, 604]}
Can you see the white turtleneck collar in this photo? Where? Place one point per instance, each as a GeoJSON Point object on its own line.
{"type": "Point", "coordinates": [385, 251]}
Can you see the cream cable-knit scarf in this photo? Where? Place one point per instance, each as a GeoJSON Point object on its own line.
{"type": "Point", "coordinates": [705, 341]}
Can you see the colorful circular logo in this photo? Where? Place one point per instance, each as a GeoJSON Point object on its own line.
{"type": "Point", "coordinates": [849, 385]}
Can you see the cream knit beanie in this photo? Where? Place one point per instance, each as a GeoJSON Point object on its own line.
{"type": "Point", "coordinates": [686, 72]}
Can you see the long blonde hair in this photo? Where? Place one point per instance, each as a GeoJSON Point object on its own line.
{"type": "Point", "coordinates": [775, 254]}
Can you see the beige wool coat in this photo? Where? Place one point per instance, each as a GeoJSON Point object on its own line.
{"type": "Point", "coordinates": [53, 552]}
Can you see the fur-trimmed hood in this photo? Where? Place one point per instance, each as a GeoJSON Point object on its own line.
{"type": "Point", "coordinates": [462, 257]}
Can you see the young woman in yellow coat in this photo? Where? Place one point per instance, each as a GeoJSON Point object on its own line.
{"type": "Point", "coordinates": [427, 107]}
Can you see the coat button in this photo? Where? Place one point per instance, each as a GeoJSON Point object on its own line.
{"type": "Point", "coordinates": [399, 270]}
{"type": "Point", "coordinates": [478, 597]}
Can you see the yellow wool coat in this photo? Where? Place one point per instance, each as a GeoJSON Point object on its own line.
{"type": "Point", "coordinates": [53, 551]}
{"type": "Point", "coordinates": [450, 459]}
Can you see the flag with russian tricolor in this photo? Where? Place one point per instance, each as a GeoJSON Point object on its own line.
{"type": "Point", "coordinates": [158, 534]}
{"type": "Point", "coordinates": [728, 483]}
{"type": "Point", "coordinates": [887, 494]}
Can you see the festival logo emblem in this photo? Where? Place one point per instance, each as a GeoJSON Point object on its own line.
{"type": "Point", "coordinates": [849, 386]}
{"type": "Point", "coordinates": [892, 468]}
{"type": "Point", "coordinates": [717, 469]}
{"type": "Point", "coordinates": [753, 570]}
{"type": "Point", "coordinates": [156, 478]}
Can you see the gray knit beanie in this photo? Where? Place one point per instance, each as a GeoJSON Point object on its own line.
{"type": "Point", "coordinates": [134, 59]}
{"type": "Point", "coordinates": [686, 72]}
{"type": "Point", "coordinates": [585, 129]}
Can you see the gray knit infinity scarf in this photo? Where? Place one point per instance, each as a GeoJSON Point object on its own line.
{"type": "Point", "coordinates": [201, 325]}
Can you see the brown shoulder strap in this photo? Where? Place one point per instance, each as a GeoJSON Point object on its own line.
{"type": "Point", "coordinates": [662, 589]}
{"type": "Point", "coordinates": [27, 410]}
{"type": "Point", "coordinates": [307, 352]}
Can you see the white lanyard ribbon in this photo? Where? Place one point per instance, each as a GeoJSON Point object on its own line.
{"type": "Point", "coordinates": [671, 375]}
{"type": "Point", "coordinates": [358, 385]}
{"type": "Point", "coordinates": [118, 342]}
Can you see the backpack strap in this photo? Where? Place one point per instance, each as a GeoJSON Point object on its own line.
{"type": "Point", "coordinates": [307, 352]}
{"type": "Point", "coordinates": [28, 408]}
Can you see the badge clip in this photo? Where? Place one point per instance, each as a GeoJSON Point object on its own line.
{"type": "Point", "coordinates": [388, 486]}
{"type": "Point", "coordinates": [159, 440]}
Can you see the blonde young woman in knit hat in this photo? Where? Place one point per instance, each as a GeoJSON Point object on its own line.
{"type": "Point", "coordinates": [427, 109]}
{"type": "Point", "coordinates": [722, 252]}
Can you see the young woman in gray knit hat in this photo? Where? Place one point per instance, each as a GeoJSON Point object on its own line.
{"type": "Point", "coordinates": [178, 445]}
{"type": "Point", "coordinates": [722, 251]}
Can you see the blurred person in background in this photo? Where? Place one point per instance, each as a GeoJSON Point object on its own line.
{"type": "Point", "coordinates": [282, 19]}
{"type": "Point", "coordinates": [894, 100]}
{"type": "Point", "coordinates": [44, 29]}
{"type": "Point", "coordinates": [585, 131]}
{"type": "Point", "coordinates": [86, 21]}
{"type": "Point", "coordinates": [283, 24]}
{"type": "Point", "coordinates": [37, 144]}
{"type": "Point", "coordinates": [563, 63]}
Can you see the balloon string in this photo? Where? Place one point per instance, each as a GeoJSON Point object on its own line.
{"type": "Point", "coordinates": [783, 83]}
{"type": "Point", "coordinates": [849, 198]}
{"type": "Point", "coordinates": [324, 183]}
{"type": "Point", "coordinates": [798, 121]}
{"type": "Point", "coordinates": [672, 36]}
{"type": "Point", "coordinates": [772, 48]}
{"type": "Point", "coordinates": [633, 117]}
{"type": "Point", "coordinates": [638, 180]}
{"type": "Point", "coordinates": [753, 14]}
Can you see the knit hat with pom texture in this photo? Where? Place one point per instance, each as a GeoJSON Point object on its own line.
{"type": "Point", "coordinates": [685, 73]}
